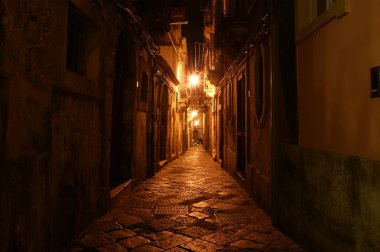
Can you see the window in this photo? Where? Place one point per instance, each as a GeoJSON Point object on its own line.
{"type": "Point", "coordinates": [144, 88]}
{"type": "Point", "coordinates": [259, 83]}
{"type": "Point", "coordinates": [75, 51]}
{"type": "Point", "coordinates": [230, 100]}
{"type": "Point", "coordinates": [312, 14]}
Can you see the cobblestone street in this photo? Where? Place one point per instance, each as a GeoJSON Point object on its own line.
{"type": "Point", "coordinates": [190, 205]}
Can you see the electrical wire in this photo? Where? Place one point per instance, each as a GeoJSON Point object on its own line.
{"type": "Point", "coordinates": [139, 29]}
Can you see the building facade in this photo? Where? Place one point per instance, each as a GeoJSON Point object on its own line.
{"type": "Point", "coordinates": [85, 101]}
{"type": "Point", "coordinates": [284, 126]}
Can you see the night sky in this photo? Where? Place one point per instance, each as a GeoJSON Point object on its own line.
{"type": "Point", "coordinates": [193, 31]}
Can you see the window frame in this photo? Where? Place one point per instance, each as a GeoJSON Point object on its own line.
{"type": "Point", "coordinates": [307, 21]}
{"type": "Point", "coordinates": [77, 29]}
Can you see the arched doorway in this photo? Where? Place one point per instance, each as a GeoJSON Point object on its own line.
{"type": "Point", "coordinates": [123, 110]}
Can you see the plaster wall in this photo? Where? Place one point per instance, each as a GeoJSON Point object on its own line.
{"type": "Point", "coordinates": [336, 112]}
{"type": "Point", "coordinates": [168, 53]}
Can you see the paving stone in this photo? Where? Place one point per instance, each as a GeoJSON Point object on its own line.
{"type": "Point", "coordinates": [139, 211]}
{"type": "Point", "coordinates": [127, 220]}
{"type": "Point", "coordinates": [169, 201]}
{"type": "Point", "coordinates": [228, 218]}
{"type": "Point", "coordinates": [237, 231]}
{"type": "Point", "coordinates": [171, 241]}
{"type": "Point", "coordinates": [143, 228]}
{"type": "Point", "coordinates": [147, 248]}
{"type": "Point", "coordinates": [201, 246]}
{"type": "Point", "coordinates": [170, 209]}
{"type": "Point", "coordinates": [196, 231]}
{"type": "Point", "coordinates": [228, 196]}
{"type": "Point", "coordinates": [106, 226]}
{"type": "Point", "coordinates": [263, 238]}
{"type": "Point", "coordinates": [208, 210]}
{"type": "Point", "coordinates": [142, 205]}
{"type": "Point", "coordinates": [183, 220]}
{"type": "Point", "coordinates": [162, 224]}
{"type": "Point", "coordinates": [177, 207]}
{"type": "Point", "coordinates": [206, 203]}
{"type": "Point", "coordinates": [122, 234]}
{"type": "Point", "coordinates": [196, 209]}
{"type": "Point", "coordinates": [114, 247]}
{"type": "Point", "coordinates": [223, 206]}
{"type": "Point", "coordinates": [96, 239]}
{"type": "Point", "coordinates": [199, 215]}
{"type": "Point", "coordinates": [220, 238]}
{"type": "Point", "coordinates": [207, 225]}
{"type": "Point", "coordinates": [157, 236]}
{"type": "Point", "coordinates": [134, 242]}
{"type": "Point", "coordinates": [176, 249]}
{"type": "Point", "coordinates": [178, 228]}
{"type": "Point", "coordinates": [247, 244]}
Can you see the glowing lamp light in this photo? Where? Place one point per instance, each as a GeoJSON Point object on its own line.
{"type": "Point", "coordinates": [194, 113]}
{"type": "Point", "coordinates": [196, 123]}
{"type": "Point", "coordinates": [194, 79]}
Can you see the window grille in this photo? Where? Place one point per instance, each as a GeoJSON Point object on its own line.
{"type": "Point", "coordinates": [75, 51]}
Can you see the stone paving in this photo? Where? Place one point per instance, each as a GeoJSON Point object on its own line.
{"type": "Point", "coordinates": [190, 205]}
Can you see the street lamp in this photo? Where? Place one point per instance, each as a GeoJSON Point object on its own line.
{"type": "Point", "coordinates": [194, 79]}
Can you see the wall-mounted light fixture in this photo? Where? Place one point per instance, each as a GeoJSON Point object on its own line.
{"type": "Point", "coordinates": [194, 79]}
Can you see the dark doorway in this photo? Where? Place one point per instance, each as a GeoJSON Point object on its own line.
{"type": "Point", "coordinates": [121, 132]}
{"type": "Point", "coordinates": [164, 123]}
{"type": "Point", "coordinates": [221, 135]}
{"type": "Point", "coordinates": [241, 126]}
{"type": "Point", "coordinates": [195, 136]}
{"type": "Point", "coordinates": [221, 128]}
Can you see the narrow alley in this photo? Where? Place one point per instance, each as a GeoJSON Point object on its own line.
{"type": "Point", "coordinates": [189, 125]}
{"type": "Point", "coordinates": [190, 205]}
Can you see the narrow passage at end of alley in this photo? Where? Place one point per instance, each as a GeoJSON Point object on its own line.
{"type": "Point", "coordinates": [190, 205]}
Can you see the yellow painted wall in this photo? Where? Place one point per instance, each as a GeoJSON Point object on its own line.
{"type": "Point", "coordinates": [336, 112]}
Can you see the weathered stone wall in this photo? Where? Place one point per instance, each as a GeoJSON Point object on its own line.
{"type": "Point", "coordinates": [54, 124]}
{"type": "Point", "coordinates": [329, 201]}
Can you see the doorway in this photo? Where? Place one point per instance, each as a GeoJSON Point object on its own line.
{"type": "Point", "coordinates": [164, 123]}
{"type": "Point", "coordinates": [123, 107]}
{"type": "Point", "coordinates": [241, 162]}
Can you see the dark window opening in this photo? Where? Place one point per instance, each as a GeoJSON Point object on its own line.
{"type": "Point", "coordinates": [144, 88]}
{"type": "Point", "coordinates": [375, 82]}
{"type": "Point", "coordinates": [259, 83]}
{"type": "Point", "coordinates": [75, 51]}
{"type": "Point", "coordinates": [230, 101]}
{"type": "Point", "coordinates": [321, 7]}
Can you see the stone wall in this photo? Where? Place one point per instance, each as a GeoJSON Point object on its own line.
{"type": "Point", "coordinates": [54, 124]}
{"type": "Point", "coordinates": [329, 201]}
